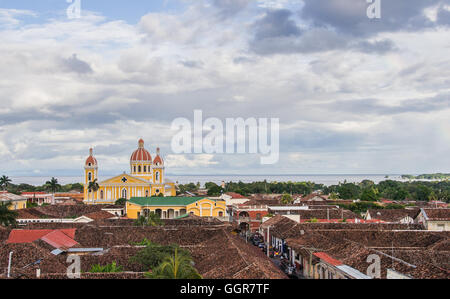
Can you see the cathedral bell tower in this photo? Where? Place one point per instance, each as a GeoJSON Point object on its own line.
{"type": "Point", "coordinates": [90, 174]}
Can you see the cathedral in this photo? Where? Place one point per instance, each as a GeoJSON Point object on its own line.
{"type": "Point", "coordinates": [146, 179]}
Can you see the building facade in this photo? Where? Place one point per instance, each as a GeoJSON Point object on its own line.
{"type": "Point", "coordinates": [173, 207]}
{"type": "Point", "coordinates": [17, 202]}
{"type": "Point", "coordinates": [434, 219]}
{"type": "Point", "coordinates": [39, 198]}
{"type": "Point", "coordinates": [248, 217]}
{"type": "Point", "coordinates": [146, 179]}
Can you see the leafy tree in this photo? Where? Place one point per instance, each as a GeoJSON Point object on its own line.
{"type": "Point", "coordinates": [4, 182]}
{"type": "Point", "coordinates": [120, 202]}
{"type": "Point", "coordinates": [432, 196]}
{"type": "Point", "coordinates": [191, 187]}
{"type": "Point", "coordinates": [423, 193]}
{"type": "Point", "coordinates": [392, 206]}
{"type": "Point", "coordinates": [176, 266]}
{"type": "Point", "coordinates": [366, 183]}
{"type": "Point", "coordinates": [153, 254]}
{"type": "Point", "coordinates": [360, 207]}
{"type": "Point", "coordinates": [334, 196]}
{"type": "Point", "coordinates": [370, 194]}
{"type": "Point", "coordinates": [144, 242]}
{"type": "Point", "coordinates": [7, 216]}
{"type": "Point", "coordinates": [286, 199]}
{"type": "Point", "coordinates": [31, 205]}
{"type": "Point", "coordinates": [109, 268]}
{"type": "Point", "coordinates": [213, 189]}
{"type": "Point", "coordinates": [348, 191]}
{"type": "Point", "coordinates": [401, 194]}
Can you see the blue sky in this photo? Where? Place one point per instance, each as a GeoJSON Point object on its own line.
{"type": "Point", "coordinates": [129, 11]}
{"type": "Point", "coordinates": [353, 94]}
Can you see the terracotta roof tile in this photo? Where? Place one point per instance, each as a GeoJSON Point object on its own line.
{"type": "Point", "coordinates": [58, 239]}
{"type": "Point", "coordinates": [99, 215]}
{"type": "Point", "coordinates": [30, 235]}
{"type": "Point", "coordinates": [325, 257]}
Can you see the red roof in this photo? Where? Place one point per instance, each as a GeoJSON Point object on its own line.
{"type": "Point", "coordinates": [91, 160]}
{"type": "Point", "coordinates": [328, 259]}
{"type": "Point", "coordinates": [234, 195]}
{"type": "Point", "coordinates": [58, 239]}
{"type": "Point", "coordinates": [30, 235]}
{"type": "Point", "coordinates": [158, 160]}
{"type": "Point", "coordinates": [349, 220]}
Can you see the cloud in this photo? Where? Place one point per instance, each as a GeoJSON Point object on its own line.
{"type": "Point", "coordinates": [228, 8]}
{"type": "Point", "coordinates": [11, 17]}
{"type": "Point", "coordinates": [278, 33]}
{"type": "Point", "coordinates": [349, 16]}
{"type": "Point", "coordinates": [73, 64]}
{"type": "Point", "coordinates": [347, 101]}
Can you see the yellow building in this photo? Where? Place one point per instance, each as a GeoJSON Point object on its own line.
{"type": "Point", "coordinates": [146, 179]}
{"type": "Point", "coordinates": [173, 207]}
{"type": "Point", "coordinates": [17, 202]}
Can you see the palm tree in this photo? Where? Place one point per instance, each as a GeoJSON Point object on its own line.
{"type": "Point", "coordinates": [178, 266]}
{"type": "Point", "coordinates": [4, 182]}
{"type": "Point", "coordinates": [7, 216]}
{"type": "Point", "coordinates": [53, 185]}
{"type": "Point", "coordinates": [93, 187]}
{"type": "Point", "coordinates": [152, 219]}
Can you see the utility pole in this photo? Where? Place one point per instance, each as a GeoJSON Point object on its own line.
{"type": "Point", "coordinates": [9, 264]}
{"type": "Point", "coordinates": [268, 241]}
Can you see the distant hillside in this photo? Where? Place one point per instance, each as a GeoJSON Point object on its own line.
{"type": "Point", "coordinates": [432, 176]}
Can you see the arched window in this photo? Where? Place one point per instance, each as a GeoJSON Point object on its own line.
{"type": "Point", "coordinates": [145, 168]}
{"type": "Point", "coordinates": [90, 176]}
{"type": "Point", "coordinates": [101, 194]}
{"type": "Point", "coordinates": [134, 169]}
{"type": "Point", "coordinates": [139, 168]}
{"type": "Point", "coordinates": [124, 193]}
{"type": "Point", "coordinates": [220, 214]}
{"type": "Point", "coordinates": [146, 193]}
{"type": "Point", "coordinates": [157, 176]}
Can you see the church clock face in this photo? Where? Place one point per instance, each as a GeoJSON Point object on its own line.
{"type": "Point", "coordinates": [124, 179]}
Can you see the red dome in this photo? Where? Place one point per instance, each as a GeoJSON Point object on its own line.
{"type": "Point", "coordinates": [141, 154]}
{"type": "Point", "coordinates": [91, 159]}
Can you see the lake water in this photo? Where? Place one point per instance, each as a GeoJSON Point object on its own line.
{"type": "Point", "coordinates": [184, 179]}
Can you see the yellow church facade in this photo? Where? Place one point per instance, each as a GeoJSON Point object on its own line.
{"type": "Point", "coordinates": [173, 207]}
{"type": "Point", "coordinates": [146, 179]}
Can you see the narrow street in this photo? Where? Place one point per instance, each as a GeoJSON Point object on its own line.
{"type": "Point", "coordinates": [277, 261]}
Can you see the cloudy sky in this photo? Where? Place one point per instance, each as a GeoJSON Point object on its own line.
{"type": "Point", "coordinates": [353, 94]}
